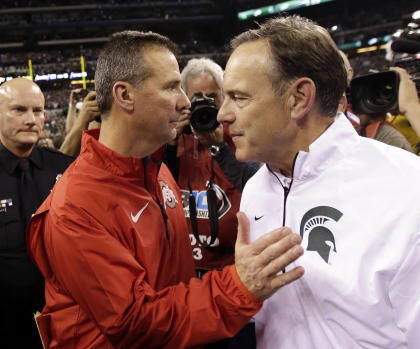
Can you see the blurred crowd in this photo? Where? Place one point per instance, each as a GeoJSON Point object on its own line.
{"type": "Point", "coordinates": [57, 94]}
{"type": "Point", "coordinates": [192, 43]}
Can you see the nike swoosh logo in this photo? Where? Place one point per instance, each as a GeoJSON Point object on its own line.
{"type": "Point", "coordinates": [137, 216]}
{"type": "Point", "coordinates": [257, 218]}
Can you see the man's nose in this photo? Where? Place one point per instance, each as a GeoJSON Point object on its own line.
{"type": "Point", "coordinates": [30, 117]}
{"type": "Point", "coordinates": [225, 115]}
{"type": "Point", "coordinates": [184, 102]}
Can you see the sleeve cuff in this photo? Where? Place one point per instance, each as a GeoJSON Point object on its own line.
{"type": "Point", "coordinates": [242, 287]}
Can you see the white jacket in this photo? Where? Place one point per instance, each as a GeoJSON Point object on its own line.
{"type": "Point", "coordinates": [355, 202]}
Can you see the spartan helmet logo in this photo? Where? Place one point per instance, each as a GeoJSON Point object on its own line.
{"type": "Point", "coordinates": [320, 238]}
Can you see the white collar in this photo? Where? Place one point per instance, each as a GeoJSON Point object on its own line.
{"type": "Point", "coordinates": [337, 142]}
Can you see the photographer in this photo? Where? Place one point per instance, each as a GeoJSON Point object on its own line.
{"type": "Point", "coordinates": [374, 97]}
{"type": "Point", "coordinates": [201, 175]}
{"type": "Point", "coordinates": [409, 105]}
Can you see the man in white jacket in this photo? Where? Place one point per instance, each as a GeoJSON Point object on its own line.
{"type": "Point", "coordinates": [353, 200]}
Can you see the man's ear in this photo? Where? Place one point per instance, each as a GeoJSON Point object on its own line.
{"type": "Point", "coordinates": [121, 92]}
{"type": "Point", "coordinates": [301, 98]}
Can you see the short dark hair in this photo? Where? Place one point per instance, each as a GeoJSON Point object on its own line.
{"type": "Point", "coordinates": [301, 48]}
{"type": "Point", "coordinates": [121, 60]}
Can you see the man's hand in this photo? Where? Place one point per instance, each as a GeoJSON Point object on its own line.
{"type": "Point", "coordinates": [407, 92]}
{"type": "Point", "coordinates": [89, 110]}
{"type": "Point", "coordinates": [72, 97]}
{"type": "Point", "coordinates": [408, 100]}
{"type": "Point", "coordinates": [184, 120]}
{"type": "Point", "coordinates": [259, 263]}
{"type": "Point", "coordinates": [212, 138]}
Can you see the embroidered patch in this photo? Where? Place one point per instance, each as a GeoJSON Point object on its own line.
{"type": "Point", "coordinates": [169, 198]}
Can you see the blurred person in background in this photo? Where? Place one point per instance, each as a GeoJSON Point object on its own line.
{"type": "Point", "coordinates": [112, 241]}
{"type": "Point", "coordinates": [197, 162]}
{"type": "Point", "coordinates": [408, 121]}
{"type": "Point", "coordinates": [27, 174]}
{"type": "Point", "coordinates": [353, 200]}
{"type": "Point", "coordinates": [72, 108]}
{"type": "Point", "coordinates": [377, 127]}
{"type": "Point", "coordinates": [88, 114]}
{"type": "Point", "coordinates": [44, 140]}
{"type": "Point", "coordinates": [386, 128]}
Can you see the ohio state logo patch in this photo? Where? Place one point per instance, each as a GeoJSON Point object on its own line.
{"type": "Point", "coordinates": [169, 198]}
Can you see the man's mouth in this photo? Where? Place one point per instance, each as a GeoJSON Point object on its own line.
{"type": "Point", "coordinates": [235, 135]}
{"type": "Point", "coordinates": [29, 131]}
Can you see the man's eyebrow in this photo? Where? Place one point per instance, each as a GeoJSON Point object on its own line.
{"type": "Point", "coordinates": [173, 82]}
{"type": "Point", "coordinates": [233, 91]}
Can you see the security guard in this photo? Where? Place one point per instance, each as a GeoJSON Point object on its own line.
{"type": "Point", "coordinates": [27, 174]}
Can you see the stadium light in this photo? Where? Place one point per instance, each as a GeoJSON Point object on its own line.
{"type": "Point", "coordinates": [277, 8]}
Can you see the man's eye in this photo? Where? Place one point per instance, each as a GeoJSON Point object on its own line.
{"type": "Point", "coordinates": [173, 86]}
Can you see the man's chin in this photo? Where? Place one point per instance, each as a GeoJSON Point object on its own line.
{"type": "Point", "coordinates": [28, 141]}
{"type": "Point", "coordinates": [173, 134]}
{"type": "Point", "coordinates": [242, 155]}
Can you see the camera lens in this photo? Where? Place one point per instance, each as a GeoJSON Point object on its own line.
{"type": "Point", "coordinates": [381, 95]}
{"type": "Point", "coordinates": [204, 118]}
{"type": "Point", "coordinates": [375, 93]}
{"type": "Point", "coordinates": [203, 113]}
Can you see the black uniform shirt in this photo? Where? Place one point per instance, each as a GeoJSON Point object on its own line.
{"type": "Point", "coordinates": [46, 166]}
{"type": "Point", "coordinates": [21, 284]}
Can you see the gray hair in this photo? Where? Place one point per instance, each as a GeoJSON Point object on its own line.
{"type": "Point", "coordinates": [199, 66]}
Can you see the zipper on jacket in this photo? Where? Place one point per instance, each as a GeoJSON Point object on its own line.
{"type": "Point", "coordinates": [165, 219]}
{"type": "Point", "coordinates": [161, 206]}
{"type": "Point", "coordinates": [286, 193]}
{"type": "Point", "coordinates": [286, 190]}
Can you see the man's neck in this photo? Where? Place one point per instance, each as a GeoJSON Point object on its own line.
{"type": "Point", "coordinates": [20, 150]}
{"type": "Point", "coordinates": [309, 130]}
{"type": "Point", "coordinates": [123, 140]}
